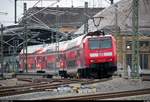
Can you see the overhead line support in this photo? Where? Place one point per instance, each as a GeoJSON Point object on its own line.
{"type": "Point", "coordinates": [1, 51]}
{"type": "Point", "coordinates": [135, 40]}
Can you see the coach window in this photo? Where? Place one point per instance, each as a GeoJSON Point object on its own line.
{"type": "Point", "coordinates": [33, 66]}
{"type": "Point", "coordinates": [49, 51]}
{"type": "Point", "coordinates": [71, 63]}
{"type": "Point", "coordinates": [62, 56]}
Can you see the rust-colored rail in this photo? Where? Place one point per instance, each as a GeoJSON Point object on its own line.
{"type": "Point", "coordinates": [35, 87]}
{"type": "Point", "coordinates": [100, 96]}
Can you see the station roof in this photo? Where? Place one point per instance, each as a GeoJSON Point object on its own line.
{"type": "Point", "coordinates": [67, 16]}
{"type": "Point", "coordinates": [14, 37]}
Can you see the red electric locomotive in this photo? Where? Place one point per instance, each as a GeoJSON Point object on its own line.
{"type": "Point", "coordinates": [91, 55]}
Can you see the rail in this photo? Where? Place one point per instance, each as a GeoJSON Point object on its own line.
{"type": "Point", "coordinates": [99, 96]}
{"type": "Point", "coordinates": [42, 86]}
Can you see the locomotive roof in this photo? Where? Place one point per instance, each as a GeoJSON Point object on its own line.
{"type": "Point", "coordinates": [77, 41]}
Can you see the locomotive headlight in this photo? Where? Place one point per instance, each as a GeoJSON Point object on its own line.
{"type": "Point", "coordinates": [93, 54]}
{"type": "Point", "coordinates": [108, 54]}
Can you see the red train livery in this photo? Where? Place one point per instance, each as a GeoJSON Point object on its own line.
{"type": "Point", "coordinates": [91, 55]}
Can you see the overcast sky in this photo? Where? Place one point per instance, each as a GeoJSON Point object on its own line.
{"type": "Point", "coordinates": [7, 6]}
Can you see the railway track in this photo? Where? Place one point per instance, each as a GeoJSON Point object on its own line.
{"type": "Point", "coordinates": [100, 96]}
{"type": "Point", "coordinates": [42, 86]}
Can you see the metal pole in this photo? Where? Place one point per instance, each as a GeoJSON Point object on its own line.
{"type": "Point", "coordinates": [26, 37]}
{"type": "Point", "coordinates": [23, 56]}
{"type": "Point", "coordinates": [1, 51]}
{"type": "Point", "coordinates": [57, 42]}
{"type": "Point", "coordinates": [116, 18]}
{"type": "Point", "coordinates": [85, 18]}
{"type": "Point", "coordinates": [16, 42]}
{"type": "Point", "coordinates": [117, 36]}
{"type": "Point", "coordinates": [135, 41]}
{"type": "Point", "coordinates": [15, 11]}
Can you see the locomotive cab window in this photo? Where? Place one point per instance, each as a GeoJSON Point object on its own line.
{"type": "Point", "coordinates": [96, 43]}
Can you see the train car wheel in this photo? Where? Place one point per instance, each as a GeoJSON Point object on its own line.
{"type": "Point", "coordinates": [20, 71]}
{"type": "Point", "coordinates": [40, 71]}
{"type": "Point", "coordinates": [63, 74]}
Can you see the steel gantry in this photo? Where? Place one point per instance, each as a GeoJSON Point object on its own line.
{"type": "Point", "coordinates": [25, 33]}
{"type": "Point", "coordinates": [135, 40]}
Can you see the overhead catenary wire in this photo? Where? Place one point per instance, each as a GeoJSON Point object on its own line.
{"type": "Point", "coordinates": [28, 16]}
{"type": "Point", "coordinates": [40, 22]}
{"type": "Point", "coordinates": [36, 3]}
